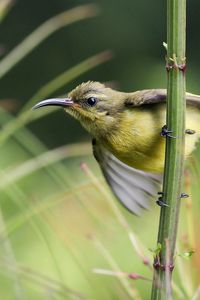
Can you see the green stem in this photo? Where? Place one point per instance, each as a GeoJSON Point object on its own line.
{"type": "Point", "coordinates": [174, 158]}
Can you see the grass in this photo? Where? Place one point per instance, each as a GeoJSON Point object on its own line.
{"type": "Point", "coordinates": [62, 233]}
{"type": "Point", "coordinates": [61, 223]}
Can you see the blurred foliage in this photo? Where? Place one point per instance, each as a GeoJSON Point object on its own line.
{"type": "Point", "coordinates": [63, 235]}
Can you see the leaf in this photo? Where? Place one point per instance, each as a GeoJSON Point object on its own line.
{"type": "Point", "coordinates": [186, 254]}
{"type": "Point", "coordinates": [157, 250]}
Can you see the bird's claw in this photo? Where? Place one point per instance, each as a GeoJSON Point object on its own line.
{"type": "Point", "coordinates": [162, 203]}
{"type": "Point", "coordinates": [166, 133]}
{"type": "Point", "coordinates": [160, 200]}
{"type": "Point", "coordinates": [160, 193]}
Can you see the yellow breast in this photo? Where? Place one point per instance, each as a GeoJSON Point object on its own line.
{"type": "Point", "coordinates": [137, 141]}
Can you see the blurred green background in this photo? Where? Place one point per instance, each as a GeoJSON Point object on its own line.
{"type": "Point", "coordinates": [59, 224]}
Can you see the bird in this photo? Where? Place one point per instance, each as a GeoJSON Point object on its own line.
{"type": "Point", "coordinates": [126, 135]}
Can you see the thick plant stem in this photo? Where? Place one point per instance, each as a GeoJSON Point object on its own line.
{"type": "Point", "coordinates": [174, 157]}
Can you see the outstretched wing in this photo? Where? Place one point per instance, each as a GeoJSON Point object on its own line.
{"type": "Point", "coordinates": [153, 96]}
{"type": "Point", "coordinates": [132, 187]}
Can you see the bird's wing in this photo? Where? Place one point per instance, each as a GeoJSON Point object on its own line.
{"type": "Point", "coordinates": [157, 96]}
{"type": "Point", "coordinates": [132, 187]}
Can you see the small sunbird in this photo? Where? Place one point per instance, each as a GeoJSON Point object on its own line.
{"type": "Point", "coordinates": [126, 131]}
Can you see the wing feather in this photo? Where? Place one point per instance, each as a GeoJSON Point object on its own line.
{"type": "Point", "coordinates": [132, 187]}
{"type": "Point", "coordinates": [154, 96]}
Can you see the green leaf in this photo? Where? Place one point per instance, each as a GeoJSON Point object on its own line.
{"type": "Point", "coordinates": [186, 254]}
{"type": "Point", "coordinates": [157, 250]}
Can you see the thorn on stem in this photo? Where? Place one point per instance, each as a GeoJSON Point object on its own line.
{"type": "Point", "coordinates": [184, 195]}
{"type": "Point", "coordinates": [171, 63]}
{"type": "Point", "coordinates": [190, 131]}
{"type": "Point", "coordinates": [157, 265]}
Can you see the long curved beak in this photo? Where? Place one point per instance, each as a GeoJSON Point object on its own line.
{"type": "Point", "coordinates": [54, 102]}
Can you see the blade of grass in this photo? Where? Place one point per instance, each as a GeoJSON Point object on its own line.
{"type": "Point", "coordinates": [189, 211]}
{"type": "Point", "coordinates": [42, 32]}
{"type": "Point", "coordinates": [42, 161]}
{"type": "Point", "coordinates": [19, 198]}
{"type": "Point", "coordinates": [67, 76]}
{"type": "Point", "coordinates": [131, 291]}
{"type": "Point", "coordinates": [196, 295]}
{"type": "Point", "coordinates": [28, 115]}
{"type": "Point", "coordinates": [35, 147]}
{"type": "Point", "coordinates": [138, 247]}
{"type": "Point", "coordinates": [185, 279]}
{"type": "Point", "coordinates": [69, 241]}
{"type": "Point", "coordinates": [52, 201]}
{"type": "Point", "coordinates": [5, 6]}
{"type": "Point", "coordinates": [120, 274]}
{"type": "Point", "coordinates": [16, 195]}
{"type": "Point", "coordinates": [7, 248]}
{"type": "Point", "coordinates": [38, 209]}
{"type": "Point", "coordinates": [40, 279]}
{"type": "Point", "coordinates": [185, 271]}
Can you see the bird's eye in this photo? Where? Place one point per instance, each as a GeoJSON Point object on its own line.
{"type": "Point", "coordinates": [91, 101]}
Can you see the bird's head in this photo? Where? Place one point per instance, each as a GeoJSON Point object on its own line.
{"type": "Point", "coordinates": [93, 104]}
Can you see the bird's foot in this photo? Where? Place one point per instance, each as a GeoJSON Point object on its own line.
{"type": "Point", "coordinates": [160, 200]}
{"type": "Point", "coordinates": [160, 193]}
{"type": "Point", "coordinates": [167, 133]}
